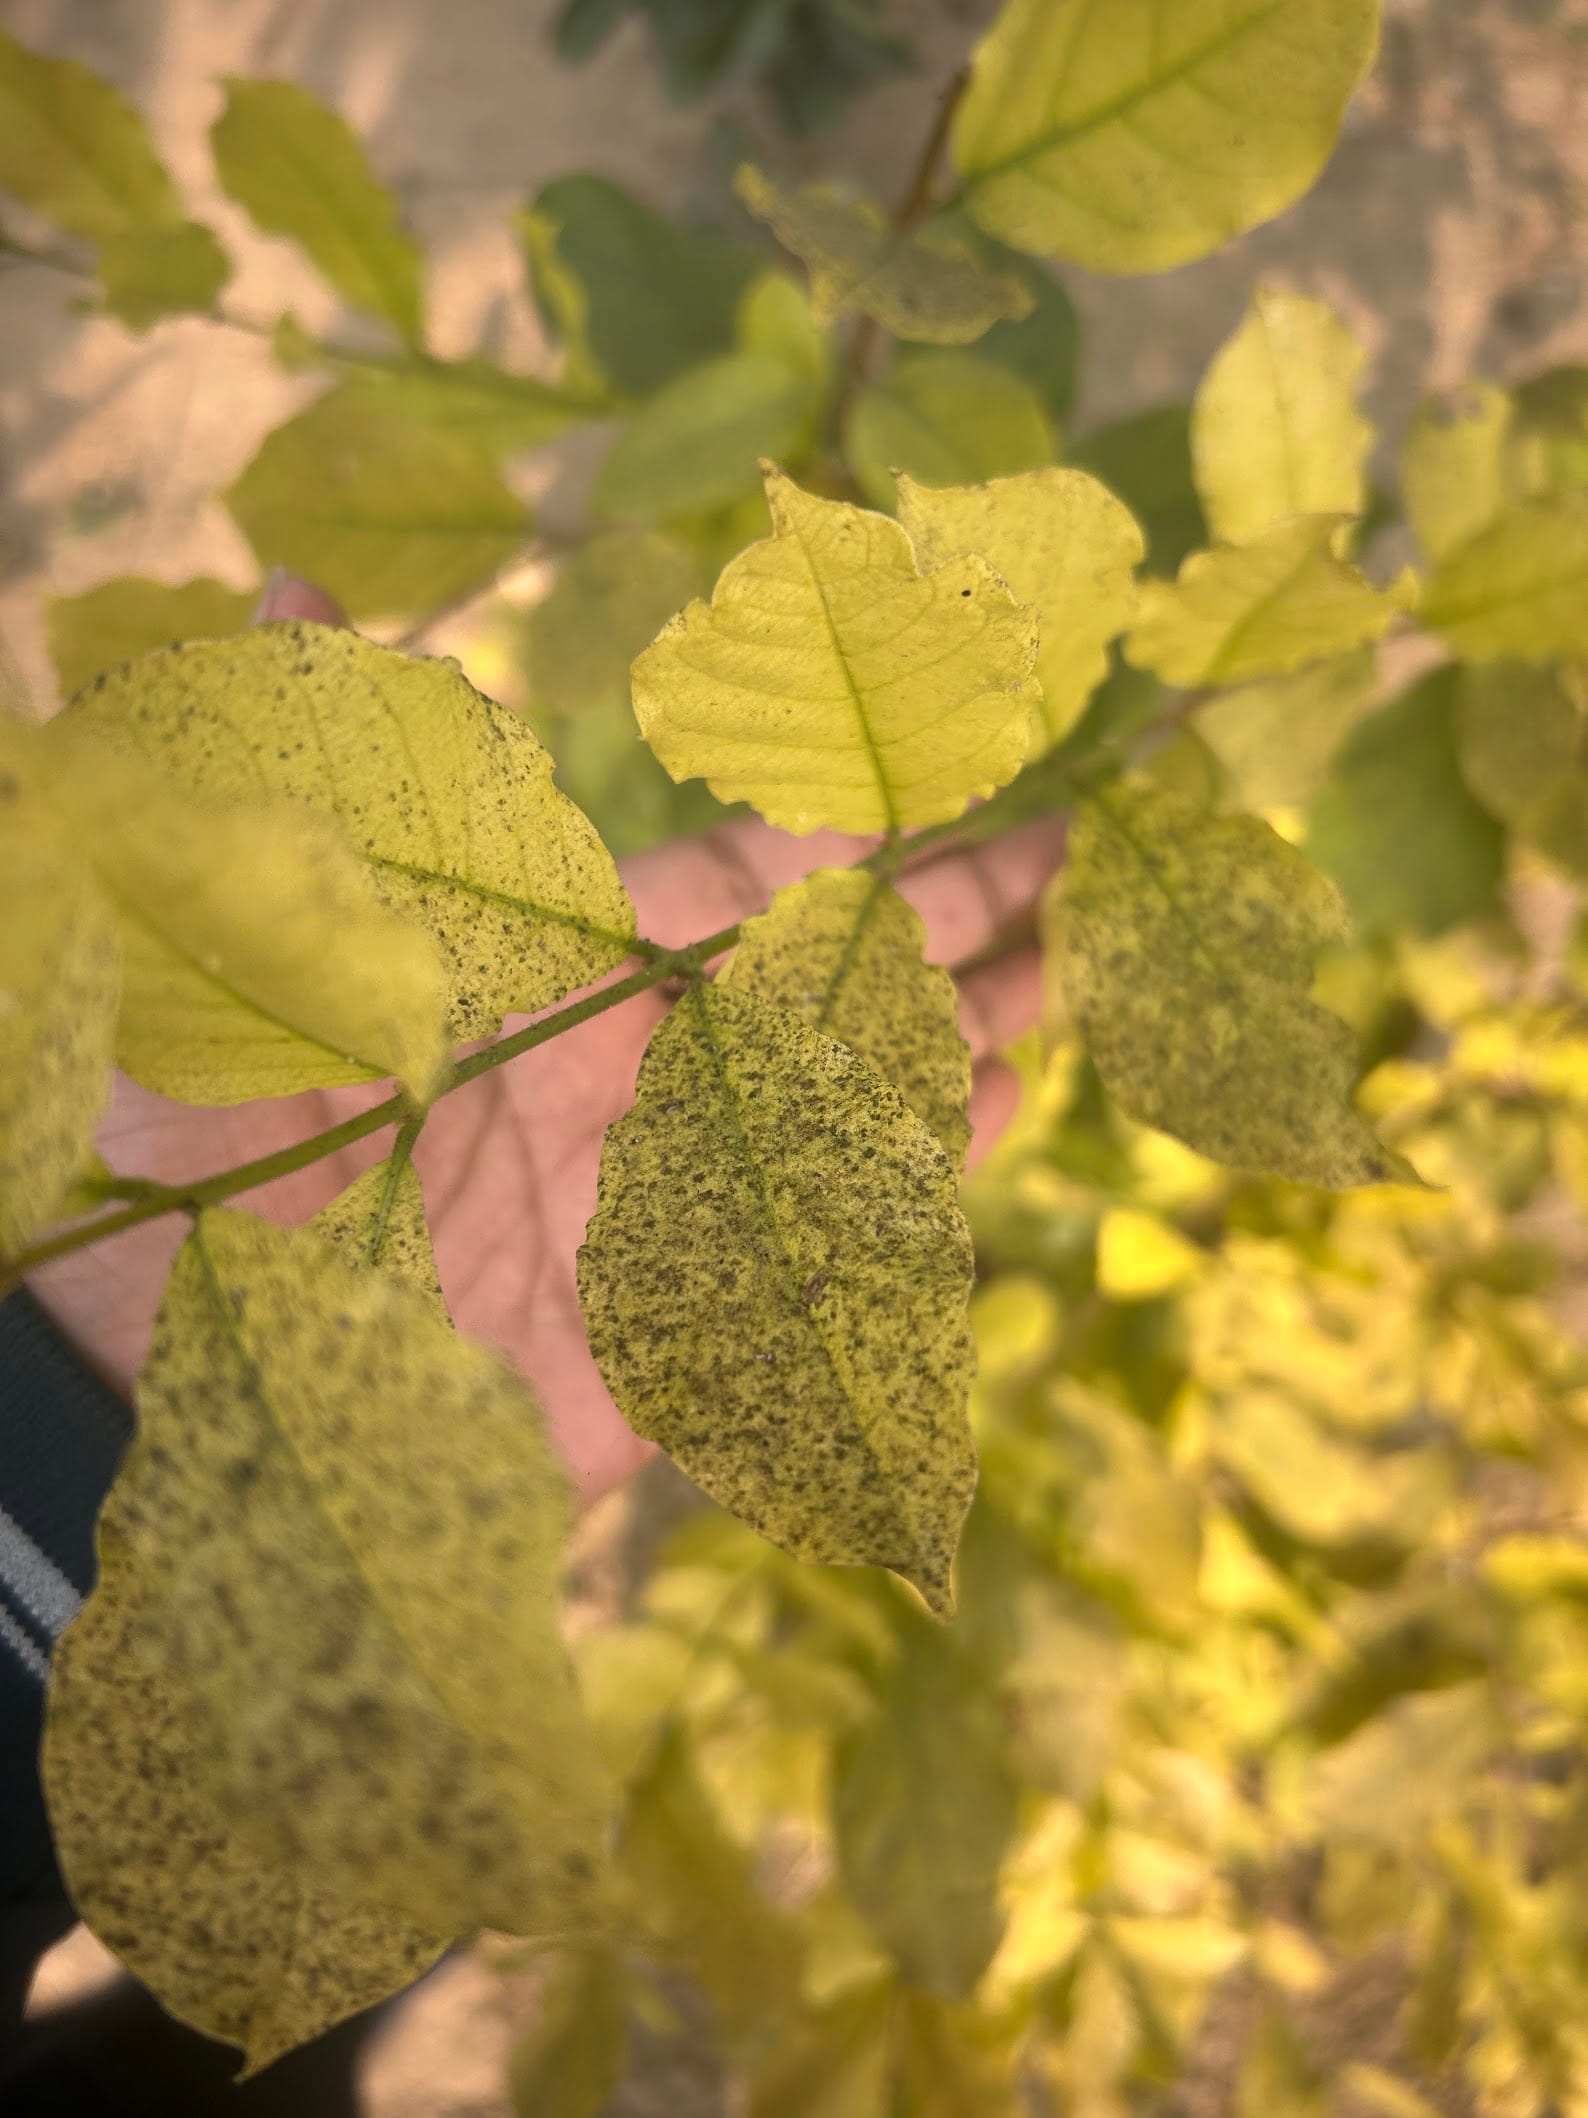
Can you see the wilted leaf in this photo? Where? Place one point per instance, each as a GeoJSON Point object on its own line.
{"type": "Point", "coordinates": [445, 798]}
{"type": "Point", "coordinates": [570, 2062]}
{"type": "Point", "coordinates": [1275, 736]}
{"type": "Point", "coordinates": [126, 617]}
{"type": "Point", "coordinates": [1064, 545]}
{"type": "Point", "coordinates": [1275, 430]}
{"type": "Point", "coordinates": [1455, 471]}
{"type": "Point", "coordinates": [923, 1809]}
{"type": "Point", "coordinates": [946, 419]}
{"type": "Point", "coordinates": [1522, 738]}
{"type": "Point", "coordinates": [637, 298]}
{"type": "Point", "coordinates": [60, 976]}
{"type": "Point", "coordinates": [698, 443]}
{"type": "Point", "coordinates": [169, 270]}
{"type": "Point", "coordinates": [1518, 588]}
{"type": "Point", "coordinates": [1128, 139]}
{"type": "Point", "coordinates": [1395, 825]}
{"type": "Point", "coordinates": [283, 1767]}
{"type": "Point", "coordinates": [775, 1286]}
{"type": "Point", "coordinates": [609, 600]}
{"type": "Point", "coordinates": [1146, 462]}
{"type": "Point", "coordinates": [830, 681]}
{"type": "Point", "coordinates": [387, 514]}
{"type": "Point", "coordinates": [926, 286]}
{"type": "Point", "coordinates": [843, 950]}
{"type": "Point", "coordinates": [74, 149]}
{"type": "Point", "coordinates": [257, 958]}
{"type": "Point", "coordinates": [1185, 942]}
{"type": "Point", "coordinates": [1263, 608]}
{"type": "Point", "coordinates": [299, 171]}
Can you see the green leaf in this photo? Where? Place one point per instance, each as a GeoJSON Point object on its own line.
{"type": "Point", "coordinates": [379, 1223]}
{"type": "Point", "coordinates": [119, 619]}
{"type": "Point", "coordinates": [74, 149]}
{"type": "Point", "coordinates": [475, 401]}
{"type": "Point", "coordinates": [775, 1286]}
{"type": "Point", "coordinates": [828, 2063]}
{"type": "Point", "coordinates": [1146, 462]}
{"type": "Point", "coordinates": [445, 799]}
{"type": "Point", "coordinates": [697, 1896]}
{"type": "Point", "coordinates": [1263, 608]}
{"type": "Point", "coordinates": [1395, 825]}
{"type": "Point", "coordinates": [946, 419]}
{"type": "Point", "coordinates": [163, 271]}
{"type": "Point", "coordinates": [60, 977]}
{"type": "Point", "coordinates": [1274, 737]}
{"type": "Point", "coordinates": [1455, 472]}
{"type": "Point", "coordinates": [926, 286]}
{"type": "Point", "coordinates": [282, 1766]}
{"type": "Point", "coordinates": [570, 2062]}
{"type": "Point", "coordinates": [389, 516]}
{"type": "Point", "coordinates": [1275, 430]}
{"type": "Point", "coordinates": [1551, 451]}
{"type": "Point", "coordinates": [843, 950]}
{"type": "Point", "coordinates": [829, 681]}
{"type": "Point", "coordinates": [1185, 943]}
{"type": "Point", "coordinates": [637, 298]}
{"type": "Point", "coordinates": [1522, 739]}
{"type": "Point", "coordinates": [1042, 348]}
{"type": "Point", "coordinates": [923, 1809]}
{"type": "Point", "coordinates": [699, 442]}
{"type": "Point", "coordinates": [298, 170]}
{"type": "Point", "coordinates": [257, 958]}
{"type": "Point", "coordinates": [1324, 1488]}
{"type": "Point", "coordinates": [1127, 139]}
{"type": "Point", "coordinates": [609, 600]}
{"type": "Point", "coordinates": [1518, 588]}
{"type": "Point", "coordinates": [1066, 546]}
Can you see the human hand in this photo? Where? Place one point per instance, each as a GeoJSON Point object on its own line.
{"type": "Point", "coordinates": [509, 1163]}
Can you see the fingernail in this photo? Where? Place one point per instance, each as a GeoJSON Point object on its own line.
{"type": "Point", "coordinates": [288, 596]}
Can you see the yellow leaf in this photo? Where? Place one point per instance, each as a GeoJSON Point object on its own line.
{"type": "Point", "coordinates": [127, 617]}
{"type": "Point", "coordinates": [257, 958]}
{"type": "Point", "coordinates": [1185, 943]}
{"type": "Point", "coordinates": [829, 681]}
{"type": "Point", "coordinates": [1275, 736]}
{"type": "Point", "coordinates": [1391, 1779]}
{"type": "Point", "coordinates": [608, 601]}
{"type": "Point", "coordinates": [1262, 608]}
{"type": "Point", "coordinates": [60, 977]}
{"type": "Point", "coordinates": [570, 2062]}
{"type": "Point", "coordinates": [1275, 430]}
{"type": "Point", "coordinates": [446, 798]}
{"type": "Point", "coordinates": [1455, 472]}
{"type": "Point", "coordinates": [379, 1223]}
{"type": "Point", "coordinates": [283, 1763]}
{"type": "Point", "coordinates": [775, 1285]}
{"type": "Point", "coordinates": [925, 286]}
{"type": "Point", "coordinates": [946, 418]}
{"type": "Point", "coordinates": [1519, 587]}
{"type": "Point", "coordinates": [1522, 742]}
{"type": "Point", "coordinates": [1128, 137]}
{"type": "Point", "coordinates": [1140, 1257]}
{"type": "Point", "coordinates": [843, 950]}
{"type": "Point", "coordinates": [1320, 1487]}
{"type": "Point", "coordinates": [1064, 545]}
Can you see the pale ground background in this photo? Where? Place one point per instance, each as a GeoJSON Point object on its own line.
{"type": "Point", "coordinates": [1451, 230]}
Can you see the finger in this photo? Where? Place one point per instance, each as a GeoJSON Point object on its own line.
{"type": "Point", "coordinates": [994, 1099]}
{"type": "Point", "coordinates": [287, 596]}
{"type": "Point", "coordinates": [1000, 1001]}
{"type": "Point", "coordinates": [967, 899]}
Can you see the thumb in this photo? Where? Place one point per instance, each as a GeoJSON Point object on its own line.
{"type": "Point", "coordinates": [286, 596]}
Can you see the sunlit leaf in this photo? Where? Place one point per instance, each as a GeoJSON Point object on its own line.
{"type": "Point", "coordinates": [1275, 736]}
{"type": "Point", "coordinates": [119, 619]}
{"type": "Point", "coordinates": [1522, 737]}
{"type": "Point", "coordinates": [385, 513]}
{"type": "Point", "coordinates": [1455, 474]}
{"type": "Point", "coordinates": [1519, 588]}
{"type": "Point", "coordinates": [570, 2062]}
{"type": "Point", "coordinates": [168, 270]}
{"type": "Point", "coordinates": [1260, 609]}
{"type": "Point", "coordinates": [925, 286]}
{"type": "Point", "coordinates": [445, 799]}
{"type": "Point", "coordinates": [60, 976]}
{"type": "Point", "coordinates": [1140, 1257]}
{"type": "Point", "coordinates": [1275, 430]}
{"type": "Point", "coordinates": [1064, 545]}
{"type": "Point", "coordinates": [1323, 1488]}
{"type": "Point", "coordinates": [257, 957]}
{"type": "Point", "coordinates": [281, 1762]}
{"type": "Point", "coordinates": [843, 950]}
{"type": "Point", "coordinates": [830, 681]}
{"type": "Point", "coordinates": [1128, 140]}
{"type": "Point", "coordinates": [946, 419]}
{"type": "Point", "coordinates": [299, 170]}
{"type": "Point", "coordinates": [1185, 943]}
{"type": "Point", "coordinates": [609, 600]}
{"type": "Point", "coordinates": [1395, 825]}
{"type": "Point", "coordinates": [923, 1809]}
{"type": "Point", "coordinates": [775, 1286]}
